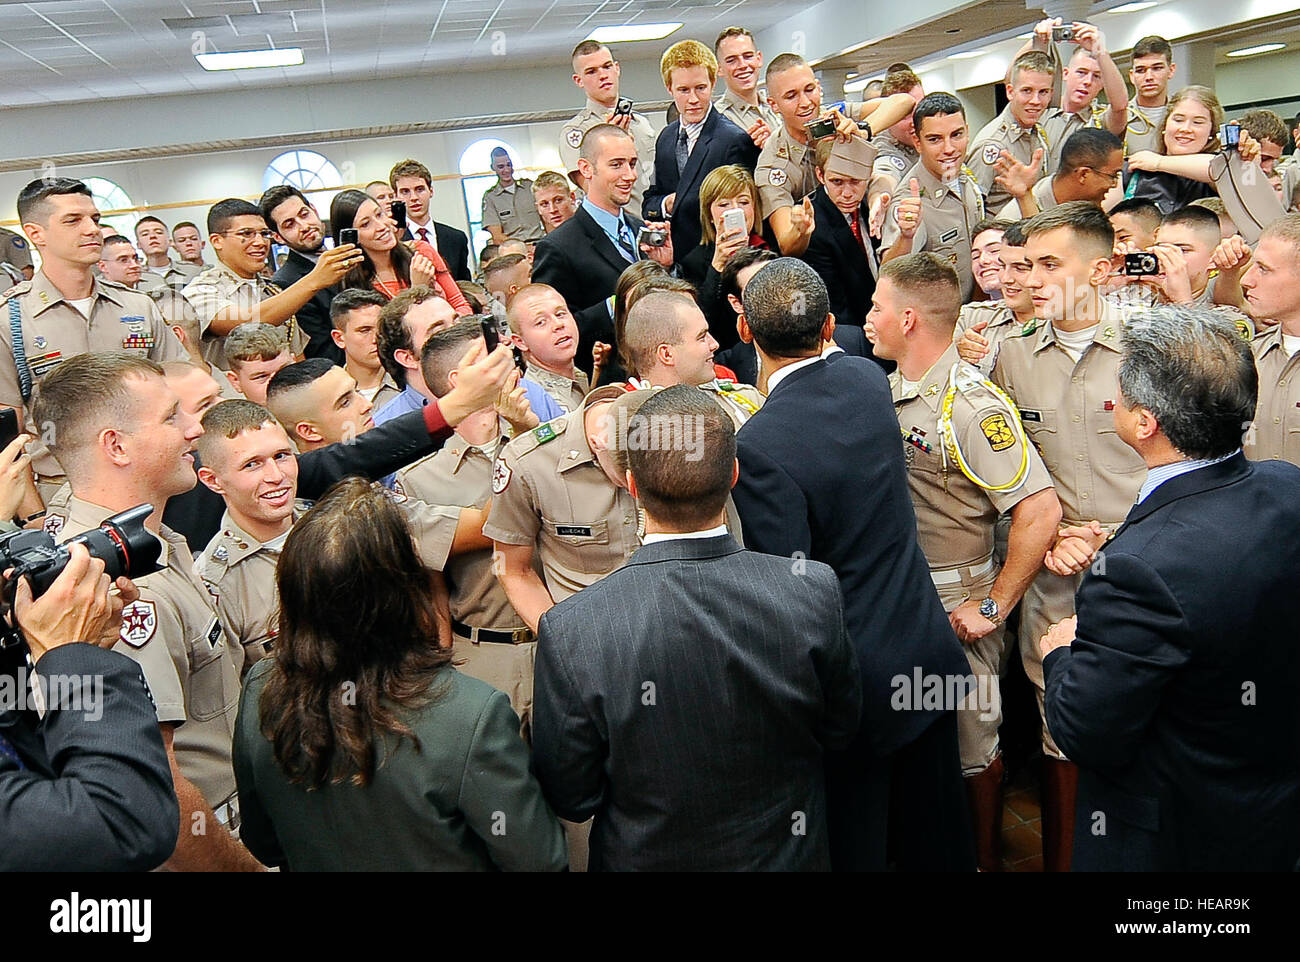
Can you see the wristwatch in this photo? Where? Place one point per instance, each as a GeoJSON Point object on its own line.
{"type": "Point", "coordinates": [989, 610]}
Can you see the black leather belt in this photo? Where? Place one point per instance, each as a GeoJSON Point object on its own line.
{"type": "Point", "coordinates": [517, 636]}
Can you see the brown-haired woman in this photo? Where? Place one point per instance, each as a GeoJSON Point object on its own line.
{"type": "Point", "coordinates": [358, 746]}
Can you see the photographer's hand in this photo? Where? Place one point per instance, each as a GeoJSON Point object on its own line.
{"type": "Point", "coordinates": [15, 476]}
{"type": "Point", "coordinates": [77, 607]}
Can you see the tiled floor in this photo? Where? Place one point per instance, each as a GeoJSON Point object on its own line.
{"type": "Point", "coordinates": [1022, 841]}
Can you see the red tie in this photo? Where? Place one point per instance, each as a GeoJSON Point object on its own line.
{"type": "Point", "coordinates": [424, 234]}
{"type": "Point", "coordinates": [857, 232]}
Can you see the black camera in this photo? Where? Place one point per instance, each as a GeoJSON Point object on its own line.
{"type": "Point", "coordinates": [824, 127]}
{"type": "Point", "coordinates": [399, 215]}
{"type": "Point", "coordinates": [121, 542]}
{"type": "Point", "coordinates": [1230, 135]}
{"type": "Point", "coordinates": [623, 107]}
{"type": "Point", "coordinates": [1141, 264]}
{"type": "Point", "coordinates": [1062, 34]}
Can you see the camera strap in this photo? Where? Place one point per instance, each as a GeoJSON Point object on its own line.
{"type": "Point", "coordinates": [20, 352]}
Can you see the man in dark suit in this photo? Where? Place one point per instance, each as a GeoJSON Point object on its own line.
{"type": "Point", "coordinates": [822, 477]}
{"type": "Point", "coordinates": [700, 140]}
{"type": "Point", "coordinates": [1174, 692]}
{"type": "Point", "coordinates": [291, 216]}
{"type": "Point", "coordinates": [696, 740]}
{"type": "Point", "coordinates": [87, 787]}
{"type": "Point", "coordinates": [413, 185]}
{"type": "Point", "coordinates": [584, 256]}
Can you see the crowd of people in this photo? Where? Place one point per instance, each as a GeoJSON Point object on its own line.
{"type": "Point", "coordinates": [698, 524]}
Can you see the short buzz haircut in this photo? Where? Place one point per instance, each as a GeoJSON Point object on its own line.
{"type": "Point", "coordinates": [589, 149]}
{"type": "Point", "coordinates": [227, 420]}
{"type": "Point", "coordinates": [786, 305]}
{"type": "Point", "coordinates": [1214, 204]}
{"type": "Point", "coordinates": [34, 199]}
{"type": "Point", "coordinates": [1088, 147]}
{"type": "Point", "coordinates": [1285, 228]}
{"type": "Point", "coordinates": [224, 211]}
{"type": "Point", "coordinates": [274, 197]}
{"type": "Point", "coordinates": [184, 223]}
{"type": "Point", "coordinates": [1144, 212]}
{"type": "Point", "coordinates": [549, 180]}
{"type": "Point", "coordinates": [118, 239]}
{"type": "Point", "coordinates": [586, 48]}
{"type": "Point", "coordinates": [656, 318]}
{"type": "Point", "coordinates": [499, 151]}
{"type": "Point", "coordinates": [1014, 235]}
{"type": "Point", "coordinates": [1264, 125]}
{"type": "Point", "coordinates": [255, 341]}
{"type": "Point", "coordinates": [409, 168]}
{"type": "Point", "coordinates": [685, 484]}
{"type": "Point", "coordinates": [502, 263]}
{"type": "Point", "coordinates": [938, 104]}
{"type": "Point", "coordinates": [347, 301]}
{"type": "Point", "coordinates": [733, 32]}
{"type": "Point", "coordinates": [1035, 61]}
{"type": "Point", "coordinates": [393, 335]}
{"type": "Point", "coordinates": [1190, 368]}
{"type": "Point", "coordinates": [1153, 46]}
{"type": "Point", "coordinates": [488, 252]}
{"type": "Point", "coordinates": [1086, 222]}
{"type": "Point", "coordinates": [685, 54]}
{"type": "Point", "coordinates": [443, 351]}
{"type": "Point", "coordinates": [927, 283]}
{"type": "Point", "coordinates": [899, 82]}
{"type": "Point", "coordinates": [381, 183]}
{"type": "Point", "coordinates": [151, 219]}
{"type": "Point", "coordinates": [83, 395]}
{"type": "Point", "coordinates": [1204, 222]}
{"type": "Point", "coordinates": [296, 375]}
{"type": "Point", "coordinates": [522, 296]}
{"type": "Point", "coordinates": [780, 64]}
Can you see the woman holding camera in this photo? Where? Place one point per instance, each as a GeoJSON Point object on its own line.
{"type": "Point", "coordinates": [358, 746]}
{"type": "Point", "coordinates": [389, 266]}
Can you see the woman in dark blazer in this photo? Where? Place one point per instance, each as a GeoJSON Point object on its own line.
{"type": "Point", "coordinates": [358, 746]}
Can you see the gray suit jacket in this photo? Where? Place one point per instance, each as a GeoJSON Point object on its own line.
{"type": "Point", "coordinates": [686, 700]}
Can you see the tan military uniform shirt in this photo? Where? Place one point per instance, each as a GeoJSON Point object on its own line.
{"type": "Point", "coordinates": [512, 209]}
{"type": "Point", "coordinates": [740, 401]}
{"type": "Point", "coordinates": [549, 491]}
{"type": "Point", "coordinates": [1275, 432]}
{"type": "Point", "coordinates": [386, 391]}
{"type": "Point", "coordinates": [893, 159]}
{"type": "Point", "coordinates": [1143, 129]}
{"type": "Point", "coordinates": [1058, 124]}
{"type": "Point", "coordinates": [1002, 324]}
{"type": "Point", "coordinates": [785, 172]}
{"type": "Point", "coordinates": [954, 515]}
{"type": "Point", "coordinates": [745, 115]}
{"type": "Point", "coordinates": [1044, 196]}
{"type": "Point", "coordinates": [1289, 168]}
{"type": "Point", "coordinates": [14, 250]}
{"type": "Point", "coordinates": [53, 331]}
{"type": "Point", "coordinates": [948, 215]}
{"type": "Point", "coordinates": [643, 135]}
{"type": "Point", "coordinates": [1067, 408]}
{"type": "Point", "coordinates": [176, 275]}
{"type": "Point", "coordinates": [219, 288]}
{"type": "Point", "coordinates": [1001, 133]}
{"type": "Point", "coordinates": [567, 392]}
{"type": "Point", "coordinates": [185, 652]}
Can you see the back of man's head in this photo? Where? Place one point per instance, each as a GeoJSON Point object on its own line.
{"type": "Point", "coordinates": [443, 350]}
{"type": "Point", "coordinates": [1190, 368]}
{"type": "Point", "coordinates": [928, 284]}
{"type": "Point", "coordinates": [786, 305]}
{"type": "Point", "coordinates": [899, 82]}
{"type": "Point", "coordinates": [34, 202]}
{"type": "Point", "coordinates": [685, 471]}
{"type": "Point", "coordinates": [1088, 225]}
{"type": "Point", "coordinates": [657, 318]}
{"type": "Point", "coordinates": [1089, 147]}
{"type": "Point", "coordinates": [224, 211]}
{"type": "Point", "coordinates": [255, 341]}
{"type": "Point", "coordinates": [84, 395]}
{"type": "Point", "coordinates": [226, 421]}
{"type": "Point", "coordinates": [503, 271]}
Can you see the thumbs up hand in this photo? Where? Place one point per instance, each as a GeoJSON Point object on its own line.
{"type": "Point", "coordinates": [909, 210]}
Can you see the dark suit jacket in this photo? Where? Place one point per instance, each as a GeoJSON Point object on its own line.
{"type": "Point", "coordinates": [580, 261]}
{"type": "Point", "coordinates": [836, 256]}
{"type": "Point", "coordinates": [314, 316]}
{"type": "Point", "coordinates": [720, 142]}
{"type": "Point", "coordinates": [822, 474]}
{"type": "Point", "coordinates": [743, 359]}
{"type": "Point", "coordinates": [692, 723]}
{"type": "Point", "coordinates": [1178, 697]}
{"type": "Point", "coordinates": [453, 245]}
{"type": "Point", "coordinates": [93, 795]}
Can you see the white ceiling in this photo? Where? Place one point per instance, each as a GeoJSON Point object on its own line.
{"type": "Point", "coordinates": [84, 50]}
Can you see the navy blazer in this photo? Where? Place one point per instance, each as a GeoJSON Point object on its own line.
{"type": "Point", "coordinates": [837, 257]}
{"type": "Point", "coordinates": [822, 477]}
{"type": "Point", "coordinates": [692, 723]}
{"type": "Point", "coordinates": [1178, 697]}
{"type": "Point", "coordinates": [314, 316]}
{"type": "Point", "coordinates": [720, 142]}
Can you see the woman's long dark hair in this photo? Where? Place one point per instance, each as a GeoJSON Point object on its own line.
{"type": "Point", "coordinates": [343, 212]}
{"type": "Point", "coordinates": [357, 638]}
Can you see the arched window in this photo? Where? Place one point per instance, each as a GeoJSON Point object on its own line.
{"type": "Point", "coordinates": [477, 158]}
{"type": "Point", "coordinates": [109, 196]}
{"type": "Point", "coordinates": [308, 171]}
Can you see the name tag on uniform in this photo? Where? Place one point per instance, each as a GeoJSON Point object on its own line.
{"type": "Point", "coordinates": [214, 633]}
{"type": "Point", "coordinates": [1030, 415]}
{"type": "Point", "coordinates": [949, 236]}
{"type": "Point", "coordinates": [573, 530]}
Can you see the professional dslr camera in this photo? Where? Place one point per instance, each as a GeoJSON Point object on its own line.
{"type": "Point", "coordinates": [121, 542]}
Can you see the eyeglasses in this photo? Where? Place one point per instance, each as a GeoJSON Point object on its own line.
{"type": "Point", "coordinates": [1111, 176]}
{"type": "Point", "coordinates": [247, 234]}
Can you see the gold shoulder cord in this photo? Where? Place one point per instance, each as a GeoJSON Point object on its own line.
{"type": "Point", "coordinates": [952, 448]}
{"type": "Point", "coordinates": [742, 401]}
{"type": "Point", "coordinates": [1145, 120]}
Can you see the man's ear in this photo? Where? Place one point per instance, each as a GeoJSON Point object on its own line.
{"type": "Point", "coordinates": [337, 336]}
{"type": "Point", "coordinates": [180, 334]}
{"type": "Point", "coordinates": [35, 233]}
{"type": "Point", "coordinates": [585, 168]}
{"type": "Point", "coordinates": [111, 444]}
{"type": "Point", "coordinates": [1148, 425]}
{"type": "Point", "coordinates": [735, 471]}
{"type": "Point", "coordinates": [208, 477]}
{"type": "Point", "coordinates": [307, 432]}
{"type": "Point", "coordinates": [406, 358]}
{"type": "Point", "coordinates": [664, 355]}
{"type": "Point", "coordinates": [1101, 268]}
{"type": "Point", "coordinates": [233, 378]}
{"type": "Point", "coordinates": [821, 177]}
{"type": "Point", "coordinates": [631, 484]}
{"type": "Point", "coordinates": [453, 377]}
{"type": "Point", "coordinates": [743, 329]}
{"type": "Point", "coordinates": [828, 328]}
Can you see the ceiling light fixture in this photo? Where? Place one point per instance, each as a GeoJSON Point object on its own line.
{"type": "Point", "coordinates": [967, 55]}
{"type": "Point", "coordinates": [1133, 7]}
{"type": "Point", "coordinates": [1251, 51]}
{"type": "Point", "coordinates": [628, 32]}
{"type": "Point", "coordinates": [250, 59]}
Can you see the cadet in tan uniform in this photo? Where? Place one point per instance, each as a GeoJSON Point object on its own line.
{"type": "Point", "coordinates": [1062, 376]}
{"type": "Point", "coordinates": [508, 208]}
{"type": "Point", "coordinates": [173, 631]}
{"type": "Point", "coordinates": [1017, 130]}
{"type": "Point", "coordinates": [65, 310]}
{"type": "Point", "coordinates": [1153, 67]}
{"type": "Point", "coordinates": [1185, 243]}
{"type": "Point", "coordinates": [596, 71]}
{"type": "Point", "coordinates": [968, 461]}
{"type": "Point", "coordinates": [545, 332]}
{"type": "Point", "coordinates": [15, 252]}
{"type": "Point", "coordinates": [939, 203]}
{"type": "Point", "coordinates": [739, 65]}
{"type": "Point", "coordinates": [983, 326]}
{"type": "Point", "coordinates": [1272, 287]}
{"type": "Point", "coordinates": [896, 151]}
{"type": "Point", "coordinates": [160, 271]}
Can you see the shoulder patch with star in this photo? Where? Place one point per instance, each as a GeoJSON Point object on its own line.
{"type": "Point", "coordinates": [990, 154]}
{"type": "Point", "coordinates": [139, 623]}
{"type": "Point", "coordinates": [777, 177]}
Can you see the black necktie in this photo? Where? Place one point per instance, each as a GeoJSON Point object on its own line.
{"type": "Point", "coordinates": [683, 151]}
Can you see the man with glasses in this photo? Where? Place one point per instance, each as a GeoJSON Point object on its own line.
{"type": "Point", "coordinates": [238, 288]}
{"type": "Point", "coordinates": [1091, 163]}
{"type": "Point", "coordinates": [119, 261]}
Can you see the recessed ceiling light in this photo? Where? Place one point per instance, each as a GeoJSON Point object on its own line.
{"type": "Point", "coordinates": [967, 55]}
{"type": "Point", "coordinates": [1251, 51]}
{"type": "Point", "coordinates": [627, 32]}
{"type": "Point", "coordinates": [250, 59]}
{"type": "Point", "coordinates": [1132, 7]}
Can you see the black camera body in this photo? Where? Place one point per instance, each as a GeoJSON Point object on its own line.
{"type": "Point", "coordinates": [121, 542]}
{"type": "Point", "coordinates": [623, 107]}
{"type": "Point", "coordinates": [1141, 264]}
{"type": "Point", "coordinates": [823, 127]}
{"type": "Point", "coordinates": [399, 215]}
{"type": "Point", "coordinates": [1065, 34]}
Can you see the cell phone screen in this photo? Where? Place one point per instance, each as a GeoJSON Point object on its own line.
{"type": "Point", "coordinates": [491, 333]}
